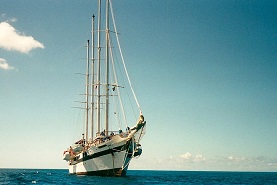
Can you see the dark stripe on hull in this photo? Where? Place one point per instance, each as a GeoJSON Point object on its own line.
{"type": "Point", "coordinates": [98, 154]}
{"type": "Point", "coordinates": [117, 172]}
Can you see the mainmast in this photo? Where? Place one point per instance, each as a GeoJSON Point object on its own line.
{"type": "Point", "coordinates": [98, 70]}
{"type": "Point", "coordinates": [107, 67]}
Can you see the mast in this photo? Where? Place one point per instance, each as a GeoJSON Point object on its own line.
{"type": "Point", "coordinates": [87, 92]}
{"type": "Point", "coordinates": [92, 77]}
{"type": "Point", "coordinates": [98, 70]}
{"type": "Point", "coordinates": [107, 67]}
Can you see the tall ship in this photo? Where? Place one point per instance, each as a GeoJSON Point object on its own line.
{"type": "Point", "coordinates": [101, 149]}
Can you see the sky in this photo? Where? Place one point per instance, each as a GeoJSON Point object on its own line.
{"type": "Point", "coordinates": [205, 74]}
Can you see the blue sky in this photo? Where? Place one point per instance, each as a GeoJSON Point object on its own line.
{"type": "Point", "coordinates": [205, 73]}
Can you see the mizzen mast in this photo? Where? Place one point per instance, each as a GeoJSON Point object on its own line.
{"type": "Point", "coordinates": [87, 93]}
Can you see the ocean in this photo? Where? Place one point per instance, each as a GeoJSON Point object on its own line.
{"type": "Point", "coordinates": [54, 176]}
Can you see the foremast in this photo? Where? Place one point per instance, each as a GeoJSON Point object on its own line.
{"type": "Point", "coordinates": [92, 77]}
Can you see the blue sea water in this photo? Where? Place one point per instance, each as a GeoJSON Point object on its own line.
{"type": "Point", "coordinates": [48, 176]}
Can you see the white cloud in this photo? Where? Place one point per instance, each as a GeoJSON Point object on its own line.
{"type": "Point", "coordinates": [271, 164]}
{"type": "Point", "coordinates": [7, 19]}
{"type": "Point", "coordinates": [190, 161]}
{"type": "Point", "coordinates": [4, 65]}
{"type": "Point", "coordinates": [199, 158]}
{"type": "Point", "coordinates": [186, 156]}
{"type": "Point", "coordinates": [11, 39]}
{"type": "Point", "coordinates": [231, 158]}
{"type": "Point", "coordinates": [193, 158]}
{"type": "Point", "coordinates": [237, 159]}
{"type": "Point", "coordinates": [13, 19]}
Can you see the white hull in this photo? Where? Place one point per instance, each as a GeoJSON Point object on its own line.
{"type": "Point", "coordinates": [110, 158]}
{"type": "Point", "coordinates": [107, 165]}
